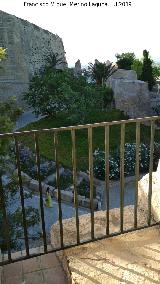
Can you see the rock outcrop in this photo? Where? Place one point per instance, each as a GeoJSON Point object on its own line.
{"type": "Point", "coordinates": [143, 187]}
{"type": "Point", "coordinates": [131, 95]}
{"type": "Point", "coordinates": [27, 48]}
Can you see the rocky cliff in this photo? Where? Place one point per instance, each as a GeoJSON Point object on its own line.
{"type": "Point", "coordinates": [27, 48]}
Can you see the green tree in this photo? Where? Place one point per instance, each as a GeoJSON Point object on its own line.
{"type": "Point", "coordinates": [137, 66]}
{"type": "Point", "coordinates": [100, 72]}
{"type": "Point", "coordinates": [156, 71]}
{"type": "Point", "coordinates": [57, 91]}
{"type": "Point", "coordinates": [9, 186]}
{"type": "Point", "coordinates": [125, 60]}
{"type": "Point", "coordinates": [147, 70]}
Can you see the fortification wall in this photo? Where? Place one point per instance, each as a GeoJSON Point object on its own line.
{"type": "Point", "coordinates": [27, 48]}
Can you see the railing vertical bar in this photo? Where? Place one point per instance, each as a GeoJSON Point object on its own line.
{"type": "Point", "coordinates": [58, 187]}
{"type": "Point", "coordinates": [136, 172]}
{"type": "Point", "coordinates": [75, 182]}
{"type": "Point", "coordinates": [90, 144]}
{"type": "Point", "coordinates": [6, 227]}
{"type": "Point", "coordinates": [150, 171]}
{"type": "Point", "coordinates": [22, 196]}
{"type": "Point", "coordinates": [107, 177]}
{"type": "Point", "coordinates": [40, 190]}
{"type": "Point", "coordinates": [122, 176]}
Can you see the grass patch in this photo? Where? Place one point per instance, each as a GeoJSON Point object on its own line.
{"type": "Point", "coordinates": [65, 151]}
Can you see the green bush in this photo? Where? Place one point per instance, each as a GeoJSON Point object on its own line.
{"type": "Point", "coordinates": [125, 60]}
{"type": "Point", "coordinates": [114, 161]}
{"type": "Point", "coordinates": [84, 189]}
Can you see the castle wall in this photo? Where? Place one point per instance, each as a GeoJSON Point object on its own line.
{"type": "Point", "coordinates": [27, 48]}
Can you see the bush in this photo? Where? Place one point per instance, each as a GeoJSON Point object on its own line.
{"type": "Point", "coordinates": [84, 189]}
{"type": "Point", "coordinates": [125, 60]}
{"type": "Point", "coordinates": [27, 158]}
{"type": "Point", "coordinates": [114, 161]}
{"type": "Point", "coordinates": [65, 181]}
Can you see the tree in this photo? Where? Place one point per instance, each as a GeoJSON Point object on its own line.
{"type": "Point", "coordinates": [9, 111]}
{"type": "Point", "coordinates": [156, 71]}
{"type": "Point", "coordinates": [125, 60]}
{"type": "Point", "coordinates": [100, 72]}
{"type": "Point", "coordinates": [147, 70]}
{"type": "Point", "coordinates": [55, 92]}
{"type": "Point", "coordinates": [137, 66]}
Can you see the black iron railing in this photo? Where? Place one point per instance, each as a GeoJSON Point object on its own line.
{"type": "Point", "coordinates": [35, 134]}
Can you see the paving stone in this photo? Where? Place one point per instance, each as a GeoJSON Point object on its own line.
{"type": "Point", "coordinates": [34, 278]}
{"type": "Point", "coordinates": [13, 280]}
{"type": "Point", "coordinates": [32, 264]}
{"type": "Point", "coordinates": [49, 260]}
{"type": "Point", "coordinates": [54, 276]}
{"type": "Point", "coordinates": [12, 270]}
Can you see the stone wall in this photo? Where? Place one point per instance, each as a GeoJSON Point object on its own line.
{"type": "Point", "coordinates": [131, 95]}
{"type": "Point", "coordinates": [27, 47]}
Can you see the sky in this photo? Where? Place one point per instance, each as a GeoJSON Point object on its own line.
{"type": "Point", "coordinates": [90, 33]}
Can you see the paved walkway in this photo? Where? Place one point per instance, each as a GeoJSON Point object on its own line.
{"type": "Point", "coordinates": [44, 269]}
{"type": "Point", "coordinates": [26, 118]}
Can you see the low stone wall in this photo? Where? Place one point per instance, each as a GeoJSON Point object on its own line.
{"type": "Point", "coordinates": [69, 225]}
{"type": "Point", "coordinates": [66, 196]}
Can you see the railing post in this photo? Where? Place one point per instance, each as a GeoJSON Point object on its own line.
{"type": "Point", "coordinates": [122, 152]}
{"type": "Point", "coordinates": [150, 171]}
{"type": "Point", "coordinates": [107, 176]}
{"type": "Point", "coordinates": [136, 172]}
{"type": "Point", "coordinates": [22, 196]}
{"type": "Point", "coordinates": [58, 187]}
{"type": "Point", "coordinates": [75, 182]}
{"type": "Point", "coordinates": [5, 219]}
{"type": "Point", "coordinates": [40, 190]}
{"type": "Point", "coordinates": [91, 179]}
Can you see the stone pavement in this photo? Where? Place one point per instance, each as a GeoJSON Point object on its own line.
{"type": "Point", "coordinates": [44, 269]}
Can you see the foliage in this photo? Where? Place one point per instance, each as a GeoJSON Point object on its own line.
{"type": "Point", "coordinates": [54, 61]}
{"type": "Point", "coordinates": [27, 159]}
{"type": "Point", "coordinates": [107, 94]}
{"type": "Point", "coordinates": [147, 70]}
{"type": "Point", "coordinates": [14, 215]}
{"type": "Point", "coordinates": [84, 189]}
{"type": "Point", "coordinates": [125, 60]}
{"type": "Point", "coordinates": [65, 181]}
{"type": "Point", "coordinates": [137, 66]}
{"type": "Point", "coordinates": [156, 71]}
{"type": "Point", "coordinates": [57, 91]}
{"type": "Point", "coordinates": [3, 54]}
{"type": "Point", "coordinates": [100, 72]}
{"type": "Point", "coordinates": [114, 161]}
{"type": "Point", "coordinates": [8, 115]}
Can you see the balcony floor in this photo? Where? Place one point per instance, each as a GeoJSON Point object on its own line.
{"type": "Point", "coordinates": [132, 258]}
{"type": "Point", "coordinates": [44, 269]}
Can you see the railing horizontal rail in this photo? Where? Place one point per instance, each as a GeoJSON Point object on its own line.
{"type": "Point", "coordinates": [76, 127]}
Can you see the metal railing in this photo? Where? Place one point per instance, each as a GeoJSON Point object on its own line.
{"type": "Point", "coordinates": [35, 134]}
